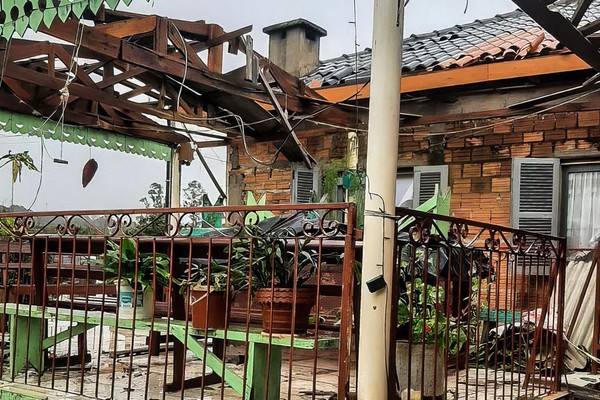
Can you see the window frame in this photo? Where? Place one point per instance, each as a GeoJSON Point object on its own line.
{"type": "Point", "coordinates": [294, 186]}
{"type": "Point", "coordinates": [444, 173]}
{"type": "Point", "coordinates": [592, 166]}
{"type": "Point", "coordinates": [515, 189]}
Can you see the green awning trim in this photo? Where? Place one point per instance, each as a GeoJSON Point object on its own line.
{"type": "Point", "coordinates": [22, 15]}
{"type": "Point", "coordinates": [33, 126]}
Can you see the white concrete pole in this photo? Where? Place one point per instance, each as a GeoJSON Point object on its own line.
{"type": "Point", "coordinates": [382, 155]}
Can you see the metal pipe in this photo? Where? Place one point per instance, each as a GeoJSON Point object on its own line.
{"type": "Point", "coordinates": [384, 119]}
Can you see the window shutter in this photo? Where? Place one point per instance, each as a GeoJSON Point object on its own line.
{"type": "Point", "coordinates": [535, 194]}
{"type": "Point", "coordinates": [304, 185]}
{"type": "Point", "coordinates": [425, 180]}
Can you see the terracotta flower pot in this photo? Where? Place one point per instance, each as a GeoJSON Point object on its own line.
{"type": "Point", "coordinates": [209, 310]}
{"type": "Point", "coordinates": [280, 302]}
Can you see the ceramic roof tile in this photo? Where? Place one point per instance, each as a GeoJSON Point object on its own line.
{"type": "Point", "coordinates": [503, 37]}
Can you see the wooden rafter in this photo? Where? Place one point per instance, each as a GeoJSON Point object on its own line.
{"type": "Point", "coordinates": [128, 55]}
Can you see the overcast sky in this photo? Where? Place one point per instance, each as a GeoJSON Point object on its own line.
{"type": "Point", "coordinates": [123, 179]}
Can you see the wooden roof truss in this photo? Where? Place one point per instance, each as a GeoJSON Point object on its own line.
{"type": "Point", "coordinates": [130, 74]}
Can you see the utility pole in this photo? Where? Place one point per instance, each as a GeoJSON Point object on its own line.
{"type": "Point", "coordinates": [382, 155]}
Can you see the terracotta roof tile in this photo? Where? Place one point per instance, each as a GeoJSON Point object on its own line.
{"type": "Point", "coordinates": [504, 37]}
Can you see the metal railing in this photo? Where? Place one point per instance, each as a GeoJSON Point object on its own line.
{"type": "Point", "coordinates": [479, 310]}
{"type": "Point", "coordinates": [219, 302]}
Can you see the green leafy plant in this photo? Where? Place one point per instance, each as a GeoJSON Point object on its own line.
{"type": "Point", "coordinates": [7, 226]}
{"type": "Point", "coordinates": [273, 261]}
{"type": "Point", "coordinates": [199, 276]}
{"type": "Point", "coordinates": [18, 160]}
{"type": "Point", "coordinates": [420, 306]}
{"type": "Point", "coordinates": [137, 269]}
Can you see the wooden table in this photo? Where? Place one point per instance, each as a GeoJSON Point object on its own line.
{"type": "Point", "coordinates": [27, 346]}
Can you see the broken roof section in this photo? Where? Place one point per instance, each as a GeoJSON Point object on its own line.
{"type": "Point", "coordinates": [132, 74]}
{"type": "Point", "coordinates": [504, 37]}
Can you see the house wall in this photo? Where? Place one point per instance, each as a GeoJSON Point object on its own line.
{"type": "Point", "coordinates": [275, 180]}
{"type": "Point", "coordinates": [479, 166]}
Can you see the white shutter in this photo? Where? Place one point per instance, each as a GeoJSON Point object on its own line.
{"type": "Point", "coordinates": [426, 178]}
{"type": "Point", "coordinates": [305, 185]}
{"type": "Point", "coordinates": [535, 194]}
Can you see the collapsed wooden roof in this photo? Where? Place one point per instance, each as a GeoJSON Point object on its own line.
{"type": "Point", "coordinates": [130, 74]}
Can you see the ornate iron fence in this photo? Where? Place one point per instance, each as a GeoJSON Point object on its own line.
{"type": "Point", "coordinates": [478, 309]}
{"type": "Point", "coordinates": [163, 303]}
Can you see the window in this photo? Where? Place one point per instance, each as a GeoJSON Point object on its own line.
{"type": "Point", "coordinates": [404, 189]}
{"type": "Point", "coordinates": [305, 184]}
{"type": "Point", "coordinates": [426, 179]}
{"type": "Point", "coordinates": [581, 212]}
{"type": "Point", "coordinates": [416, 187]}
{"type": "Point", "coordinates": [535, 194]}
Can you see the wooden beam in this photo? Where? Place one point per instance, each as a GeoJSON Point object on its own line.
{"type": "Point", "coordinates": [18, 89]}
{"type": "Point", "coordinates": [590, 28]}
{"type": "Point", "coordinates": [215, 53]}
{"type": "Point", "coordinates": [291, 147]}
{"type": "Point", "coordinates": [92, 39]}
{"type": "Point", "coordinates": [198, 29]}
{"type": "Point", "coordinates": [212, 143]}
{"type": "Point", "coordinates": [142, 57]}
{"type": "Point", "coordinates": [493, 72]}
{"type": "Point", "coordinates": [24, 49]}
{"type": "Point", "coordinates": [225, 37]}
{"type": "Point", "coordinates": [82, 91]}
{"type": "Point", "coordinates": [136, 92]}
{"type": "Point", "coordinates": [111, 80]}
{"type": "Point", "coordinates": [129, 27]}
{"type": "Point", "coordinates": [184, 47]}
{"type": "Point", "coordinates": [160, 35]}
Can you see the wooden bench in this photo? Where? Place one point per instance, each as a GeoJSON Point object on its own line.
{"type": "Point", "coordinates": [18, 391]}
{"type": "Point", "coordinates": [263, 350]}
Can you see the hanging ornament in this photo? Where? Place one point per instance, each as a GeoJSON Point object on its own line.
{"type": "Point", "coordinates": [89, 170]}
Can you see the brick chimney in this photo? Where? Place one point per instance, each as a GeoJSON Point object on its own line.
{"type": "Point", "coordinates": [294, 45]}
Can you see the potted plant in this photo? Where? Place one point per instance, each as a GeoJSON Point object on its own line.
{"type": "Point", "coordinates": [208, 292]}
{"type": "Point", "coordinates": [132, 270]}
{"type": "Point", "coordinates": [422, 332]}
{"type": "Point", "coordinates": [279, 267]}
{"type": "Point", "coordinates": [425, 330]}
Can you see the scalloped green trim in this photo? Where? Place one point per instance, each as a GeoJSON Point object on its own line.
{"type": "Point", "coordinates": [33, 126]}
{"type": "Point", "coordinates": [19, 21]}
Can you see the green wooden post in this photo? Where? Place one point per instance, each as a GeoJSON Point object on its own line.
{"type": "Point", "coordinates": [249, 371]}
{"type": "Point", "coordinates": [212, 361]}
{"type": "Point", "coordinates": [259, 374]}
{"type": "Point", "coordinates": [24, 346]}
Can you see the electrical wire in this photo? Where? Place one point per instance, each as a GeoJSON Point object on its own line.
{"type": "Point", "coordinates": [478, 130]}
{"type": "Point", "coordinates": [185, 70]}
{"type": "Point", "coordinates": [39, 187]}
{"type": "Point", "coordinates": [64, 97]}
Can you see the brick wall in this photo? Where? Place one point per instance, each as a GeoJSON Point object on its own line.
{"type": "Point", "coordinates": [480, 163]}
{"type": "Point", "coordinates": [479, 160]}
{"type": "Point", "coordinates": [479, 169]}
{"type": "Point", "coordinates": [275, 180]}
